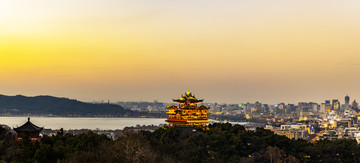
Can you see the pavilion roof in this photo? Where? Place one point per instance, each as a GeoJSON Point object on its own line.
{"type": "Point", "coordinates": [28, 127]}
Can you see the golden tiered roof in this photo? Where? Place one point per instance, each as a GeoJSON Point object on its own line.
{"type": "Point", "coordinates": [188, 97]}
{"type": "Point", "coordinates": [203, 107]}
{"type": "Point", "coordinates": [173, 106]}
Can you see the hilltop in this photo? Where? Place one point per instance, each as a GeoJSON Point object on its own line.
{"type": "Point", "coordinates": [50, 105]}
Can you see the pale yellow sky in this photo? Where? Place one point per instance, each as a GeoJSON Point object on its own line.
{"type": "Point", "coordinates": [233, 51]}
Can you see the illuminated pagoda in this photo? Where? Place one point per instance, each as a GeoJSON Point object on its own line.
{"type": "Point", "coordinates": [187, 113]}
{"type": "Point", "coordinates": [30, 130]}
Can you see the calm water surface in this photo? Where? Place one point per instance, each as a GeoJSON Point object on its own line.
{"type": "Point", "coordinates": [81, 123]}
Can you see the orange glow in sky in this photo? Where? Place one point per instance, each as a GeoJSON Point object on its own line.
{"type": "Point", "coordinates": [224, 51]}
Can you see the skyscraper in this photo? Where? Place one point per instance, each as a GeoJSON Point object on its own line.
{"type": "Point", "coordinates": [354, 105]}
{"type": "Point", "coordinates": [335, 104]}
{"type": "Point", "coordinates": [347, 102]}
{"type": "Point", "coordinates": [302, 107]}
{"type": "Point", "coordinates": [327, 105]}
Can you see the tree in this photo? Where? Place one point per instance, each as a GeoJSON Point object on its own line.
{"type": "Point", "coordinates": [274, 154]}
{"type": "Point", "coordinates": [132, 146]}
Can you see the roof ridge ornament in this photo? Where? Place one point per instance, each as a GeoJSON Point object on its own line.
{"type": "Point", "coordinates": [188, 92]}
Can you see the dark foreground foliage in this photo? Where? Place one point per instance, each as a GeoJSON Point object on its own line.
{"type": "Point", "coordinates": [222, 143]}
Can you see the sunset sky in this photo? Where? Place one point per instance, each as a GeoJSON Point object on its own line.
{"type": "Point", "coordinates": [223, 51]}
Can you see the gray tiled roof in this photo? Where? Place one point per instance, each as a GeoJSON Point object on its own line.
{"type": "Point", "coordinates": [28, 127]}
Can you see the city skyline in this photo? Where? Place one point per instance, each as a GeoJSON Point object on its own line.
{"type": "Point", "coordinates": [342, 101]}
{"type": "Point", "coordinates": [233, 51]}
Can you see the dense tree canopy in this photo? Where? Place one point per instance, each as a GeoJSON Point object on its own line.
{"type": "Point", "coordinates": [221, 143]}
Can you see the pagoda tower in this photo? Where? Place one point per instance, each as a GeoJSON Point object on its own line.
{"type": "Point", "coordinates": [28, 129]}
{"type": "Point", "coordinates": [187, 113]}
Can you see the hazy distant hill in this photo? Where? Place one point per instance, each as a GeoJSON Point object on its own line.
{"type": "Point", "coordinates": [42, 105]}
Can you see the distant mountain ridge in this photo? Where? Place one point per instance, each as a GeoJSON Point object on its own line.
{"type": "Point", "coordinates": [45, 105]}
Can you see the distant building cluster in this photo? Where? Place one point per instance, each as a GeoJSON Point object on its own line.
{"type": "Point", "coordinates": [332, 119]}
{"type": "Point", "coordinates": [140, 106]}
{"type": "Point", "coordinates": [312, 121]}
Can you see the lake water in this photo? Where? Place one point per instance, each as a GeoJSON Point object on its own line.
{"type": "Point", "coordinates": [81, 123]}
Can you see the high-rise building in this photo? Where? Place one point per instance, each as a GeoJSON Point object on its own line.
{"type": "Point", "coordinates": [266, 108]}
{"type": "Point", "coordinates": [327, 105]}
{"type": "Point", "coordinates": [281, 108]}
{"type": "Point", "coordinates": [303, 107]}
{"type": "Point", "coordinates": [354, 105]}
{"type": "Point", "coordinates": [272, 108]}
{"type": "Point", "coordinates": [335, 105]}
{"type": "Point", "coordinates": [347, 102]}
{"type": "Point", "coordinates": [322, 108]}
{"type": "Point", "coordinates": [248, 107]}
{"type": "Point", "coordinates": [257, 107]}
{"type": "Point", "coordinates": [281, 105]}
{"type": "Point", "coordinates": [315, 107]}
{"type": "Point", "coordinates": [292, 107]}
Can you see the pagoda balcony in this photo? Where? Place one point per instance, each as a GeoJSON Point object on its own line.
{"type": "Point", "coordinates": [199, 121]}
{"type": "Point", "coordinates": [195, 113]}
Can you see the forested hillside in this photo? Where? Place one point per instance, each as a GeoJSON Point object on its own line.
{"type": "Point", "coordinates": [44, 105]}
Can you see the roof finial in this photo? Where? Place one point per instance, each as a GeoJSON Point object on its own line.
{"type": "Point", "coordinates": [28, 118]}
{"type": "Point", "coordinates": [188, 92]}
